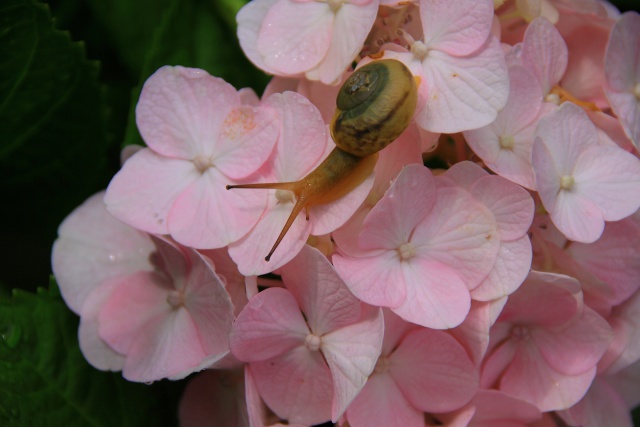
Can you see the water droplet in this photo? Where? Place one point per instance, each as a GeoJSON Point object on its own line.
{"type": "Point", "coordinates": [11, 335]}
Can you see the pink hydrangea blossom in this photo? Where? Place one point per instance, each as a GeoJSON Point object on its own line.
{"type": "Point", "coordinates": [166, 321]}
{"type": "Point", "coordinates": [581, 183]}
{"type": "Point", "coordinates": [512, 207]}
{"type": "Point", "coordinates": [200, 139]}
{"type": "Point", "coordinates": [464, 75]}
{"type": "Point", "coordinates": [308, 368]}
{"type": "Point", "coordinates": [546, 343]}
{"type": "Point", "coordinates": [419, 370]}
{"type": "Point", "coordinates": [319, 39]}
{"type": "Point", "coordinates": [422, 249]}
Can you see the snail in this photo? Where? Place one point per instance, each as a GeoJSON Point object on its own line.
{"type": "Point", "coordinates": [374, 106]}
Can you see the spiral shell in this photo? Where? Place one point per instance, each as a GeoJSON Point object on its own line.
{"type": "Point", "coordinates": [374, 106]}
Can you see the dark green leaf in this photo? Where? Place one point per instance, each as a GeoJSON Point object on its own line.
{"type": "Point", "coordinates": [53, 147]}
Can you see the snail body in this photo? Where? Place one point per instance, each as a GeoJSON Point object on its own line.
{"type": "Point", "coordinates": [374, 106]}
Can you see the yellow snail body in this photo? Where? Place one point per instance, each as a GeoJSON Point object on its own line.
{"type": "Point", "coordinates": [374, 106]}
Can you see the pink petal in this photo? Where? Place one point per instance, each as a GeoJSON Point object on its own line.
{"type": "Point", "coordinates": [473, 333]}
{"type": "Point", "coordinates": [394, 330]}
{"type": "Point", "coordinates": [461, 234]}
{"type": "Point", "coordinates": [607, 176]}
{"type": "Point", "coordinates": [457, 27]}
{"type": "Point", "coordinates": [256, 410]}
{"type": "Point", "coordinates": [245, 141]}
{"type": "Point", "coordinates": [381, 403]}
{"type": "Point", "coordinates": [601, 406]}
{"type": "Point", "coordinates": [250, 251]}
{"type": "Point", "coordinates": [270, 325]}
{"type": "Point", "coordinates": [296, 386]}
{"type": "Point", "coordinates": [531, 379]}
{"type": "Point", "coordinates": [544, 52]}
{"type": "Point", "coordinates": [93, 246]}
{"type": "Point", "coordinates": [567, 132]}
{"type": "Point", "coordinates": [511, 205]}
{"type": "Point", "coordinates": [376, 279]}
{"type": "Point", "coordinates": [627, 108]}
{"type": "Point", "coordinates": [544, 299]}
{"type": "Point", "coordinates": [159, 341]}
{"type": "Point", "coordinates": [495, 408]}
{"type": "Point", "coordinates": [464, 92]}
{"type": "Point", "coordinates": [320, 292]}
{"type": "Point", "coordinates": [295, 37]}
{"type": "Point", "coordinates": [433, 371]}
{"type": "Point", "coordinates": [577, 347]}
{"type": "Point", "coordinates": [405, 204]}
{"type": "Point", "coordinates": [299, 149]}
{"type": "Point", "coordinates": [207, 215]}
{"type": "Point", "coordinates": [209, 305]}
{"type": "Point", "coordinates": [436, 296]}
{"type": "Point", "coordinates": [182, 109]}
{"type": "Point", "coordinates": [351, 353]}
{"type": "Point", "coordinates": [509, 271]}
{"type": "Point", "coordinates": [250, 19]}
{"type": "Point", "coordinates": [352, 23]}
{"type": "Point", "coordinates": [97, 352]}
{"type": "Point", "coordinates": [142, 193]}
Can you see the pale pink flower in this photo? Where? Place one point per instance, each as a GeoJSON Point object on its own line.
{"type": "Point", "coordinates": [546, 343]}
{"type": "Point", "coordinates": [164, 318]}
{"type": "Point", "coordinates": [311, 346]}
{"type": "Point", "coordinates": [200, 139]}
{"type": "Point", "coordinates": [421, 250]}
{"type": "Point", "coordinates": [317, 39]}
{"type": "Point", "coordinates": [505, 145]}
{"type": "Point", "coordinates": [581, 183]}
{"type": "Point", "coordinates": [512, 207]}
{"type": "Point", "coordinates": [419, 370]}
{"type": "Point", "coordinates": [302, 145]}
{"type": "Point", "coordinates": [622, 69]}
{"type": "Point", "coordinates": [493, 408]}
{"type": "Point", "coordinates": [92, 246]}
{"type": "Point", "coordinates": [464, 75]}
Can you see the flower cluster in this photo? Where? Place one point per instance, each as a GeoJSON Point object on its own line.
{"type": "Point", "coordinates": [504, 290]}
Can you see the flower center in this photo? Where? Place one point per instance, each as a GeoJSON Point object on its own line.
{"type": "Point", "coordinates": [406, 251]}
{"type": "Point", "coordinates": [566, 182]}
{"type": "Point", "coordinates": [175, 299]}
{"type": "Point", "coordinates": [520, 333]}
{"type": "Point", "coordinates": [382, 365]}
{"type": "Point", "coordinates": [285, 196]}
{"type": "Point", "coordinates": [202, 163]}
{"type": "Point", "coordinates": [312, 342]}
{"type": "Point", "coordinates": [419, 50]}
{"type": "Point", "coordinates": [552, 98]}
{"type": "Point", "coordinates": [636, 91]}
{"type": "Point", "coordinates": [507, 142]}
{"type": "Point", "coordinates": [335, 4]}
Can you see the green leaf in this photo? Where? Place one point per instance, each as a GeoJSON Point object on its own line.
{"type": "Point", "coordinates": [53, 146]}
{"type": "Point", "coordinates": [45, 381]}
{"type": "Point", "coordinates": [193, 34]}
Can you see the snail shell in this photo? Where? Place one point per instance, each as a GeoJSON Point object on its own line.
{"type": "Point", "coordinates": [374, 106]}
